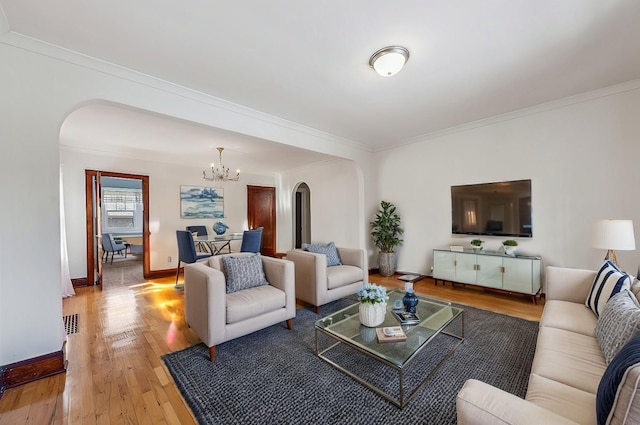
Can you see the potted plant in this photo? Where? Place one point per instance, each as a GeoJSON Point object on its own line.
{"type": "Point", "coordinates": [373, 304]}
{"type": "Point", "coordinates": [386, 231]}
{"type": "Point", "coordinates": [509, 247]}
{"type": "Point", "coordinates": [477, 244]}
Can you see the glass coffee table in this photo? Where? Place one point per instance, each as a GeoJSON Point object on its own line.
{"type": "Point", "coordinates": [344, 330]}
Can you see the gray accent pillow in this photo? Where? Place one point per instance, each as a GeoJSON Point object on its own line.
{"type": "Point", "coordinates": [618, 323]}
{"type": "Point", "coordinates": [330, 250]}
{"type": "Point", "coordinates": [243, 272]}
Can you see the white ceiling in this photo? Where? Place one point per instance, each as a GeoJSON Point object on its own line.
{"type": "Point", "coordinates": [307, 62]}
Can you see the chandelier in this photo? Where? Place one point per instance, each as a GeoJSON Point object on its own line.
{"type": "Point", "coordinates": [220, 173]}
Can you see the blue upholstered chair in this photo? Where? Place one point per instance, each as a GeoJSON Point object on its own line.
{"type": "Point", "coordinates": [187, 251]}
{"type": "Point", "coordinates": [109, 245]}
{"type": "Point", "coordinates": [200, 231]}
{"type": "Point", "coordinates": [251, 241]}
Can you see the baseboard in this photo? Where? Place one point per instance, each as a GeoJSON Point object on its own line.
{"type": "Point", "coordinates": [79, 282]}
{"type": "Point", "coordinates": [29, 370]}
{"type": "Point", "coordinates": [374, 271]}
{"type": "Point", "coordinates": [155, 274]}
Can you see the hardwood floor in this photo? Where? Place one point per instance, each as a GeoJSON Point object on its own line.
{"type": "Point", "coordinates": [115, 374]}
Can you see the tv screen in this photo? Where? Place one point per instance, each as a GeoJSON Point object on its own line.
{"type": "Point", "coordinates": [498, 209]}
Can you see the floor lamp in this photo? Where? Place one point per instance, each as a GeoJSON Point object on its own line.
{"type": "Point", "coordinates": [613, 234]}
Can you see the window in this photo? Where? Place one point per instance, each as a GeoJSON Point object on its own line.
{"type": "Point", "coordinates": [469, 208]}
{"type": "Point", "coordinates": [119, 206]}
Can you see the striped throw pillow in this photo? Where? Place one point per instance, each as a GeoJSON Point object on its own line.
{"type": "Point", "coordinates": [608, 282]}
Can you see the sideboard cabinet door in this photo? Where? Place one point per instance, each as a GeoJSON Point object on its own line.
{"type": "Point", "coordinates": [466, 268]}
{"type": "Point", "coordinates": [489, 271]}
{"type": "Point", "coordinates": [521, 275]}
{"type": "Point", "coordinates": [444, 265]}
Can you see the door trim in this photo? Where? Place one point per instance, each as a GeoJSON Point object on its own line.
{"type": "Point", "coordinates": [89, 212]}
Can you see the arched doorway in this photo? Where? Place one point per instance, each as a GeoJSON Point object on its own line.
{"type": "Point", "coordinates": [301, 215]}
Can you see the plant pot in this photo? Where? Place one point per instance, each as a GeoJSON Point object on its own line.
{"type": "Point", "coordinates": [372, 315]}
{"type": "Point", "coordinates": [510, 250]}
{"type": "Point", "coordinates": [387, 263]}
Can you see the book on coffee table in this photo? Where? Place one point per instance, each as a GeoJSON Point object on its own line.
{"type": "Point", "coordinates": [391, 334]}
{"type": "Point", "coordinates": [406, 318]}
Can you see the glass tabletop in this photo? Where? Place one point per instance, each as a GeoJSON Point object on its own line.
{"type": "Point", "coordinates": [434, 316]}
{"type": "Point", "coordinates": [218, 238]}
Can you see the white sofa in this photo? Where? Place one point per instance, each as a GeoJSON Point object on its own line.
{"type": "Point", "coordinates": [566, 369]}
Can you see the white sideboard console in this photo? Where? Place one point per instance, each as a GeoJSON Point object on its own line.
{"type": "Point", "coordinates": [489, 269]}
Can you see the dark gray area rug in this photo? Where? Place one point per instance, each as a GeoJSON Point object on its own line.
{"type": "Point", "coordinates": [274, 377]}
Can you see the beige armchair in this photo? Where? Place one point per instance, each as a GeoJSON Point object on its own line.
{"type": "Point", "coordinates": [217, 317]}
{"type": "Point", "coordinates": [318, 284]}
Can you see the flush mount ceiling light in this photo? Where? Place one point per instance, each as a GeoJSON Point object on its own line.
{"type": "Point", "coordinates": [389, 60]}
{"type": "Point", "coordinates": [220, 173]}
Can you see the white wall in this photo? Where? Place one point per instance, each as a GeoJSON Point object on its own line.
{"type": "Point", "coordinates": [336, 204]}
{"type": "Point", "coordinates": [581, 157]}
{"type": "Point", "coordinates": [30, 322]}
{"type": "Point", "coordinates": [164, 203]}
{"type": "Point", "coordinates": [38, 93]}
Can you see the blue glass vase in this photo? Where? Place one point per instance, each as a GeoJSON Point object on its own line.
{"type": "Point", "coordinates": [220, 228]}
{"type": "Point", "coordinates": [410, 301]}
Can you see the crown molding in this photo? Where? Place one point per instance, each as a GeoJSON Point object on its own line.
{"type": "Point", "coordinates": [84, 61]}
{"type": "Point", "coordinates": [532, 110]}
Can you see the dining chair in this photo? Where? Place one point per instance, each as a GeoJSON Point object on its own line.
{"type": "Point", "coordinates": [251, 241]}
{"type": "Point", "coordinates": [109, 245]}
{"type": "Point", "coordinates": [200, 231]}
{"type": "Point", "coordinates": [187, 251]}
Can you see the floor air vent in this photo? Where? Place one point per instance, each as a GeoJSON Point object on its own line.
{"type": "Point", "coordinates": [71, 324]}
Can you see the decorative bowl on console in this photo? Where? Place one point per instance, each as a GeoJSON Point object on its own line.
{"type": "Point", "coordinates": [220, 228]}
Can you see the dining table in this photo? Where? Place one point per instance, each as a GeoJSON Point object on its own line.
{"type": "Point", "coordinates": [217, 243]}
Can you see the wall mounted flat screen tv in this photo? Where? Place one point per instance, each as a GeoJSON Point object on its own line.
{"type": "Point", "coordinates": [496, 209]}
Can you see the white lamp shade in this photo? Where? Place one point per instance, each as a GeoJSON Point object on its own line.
{"type": "Point", "coordinates": [614, 234]}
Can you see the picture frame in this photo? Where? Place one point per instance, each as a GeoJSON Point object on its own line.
{"type": "Point", "coordinates": [201, 202]}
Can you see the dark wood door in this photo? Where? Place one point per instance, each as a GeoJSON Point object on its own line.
{"type": "Point", "coordinates": [261, 212]}
{"type": "Point", "coordinates": [93, 222]}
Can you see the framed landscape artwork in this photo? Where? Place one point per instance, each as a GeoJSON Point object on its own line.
{"type": "Point", "coordinates": [201, 202]}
